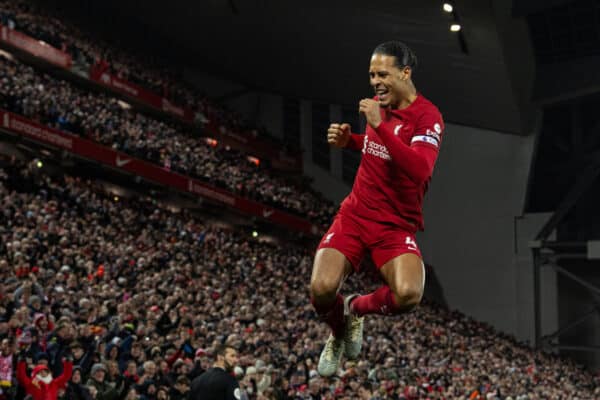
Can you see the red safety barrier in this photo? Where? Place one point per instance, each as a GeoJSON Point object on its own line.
{"type": "Point", "coordinates": [35, 47]}
{"type": "Point", "coordinates": [257, 146]}
{"type": "Point", "coordinates": [109, 157]}
{"type": "Point", "coordinates": [99, 74]}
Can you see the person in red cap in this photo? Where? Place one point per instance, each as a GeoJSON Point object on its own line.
{"type": "Point", "coordinates": [41, 385]}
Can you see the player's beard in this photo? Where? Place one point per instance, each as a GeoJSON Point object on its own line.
{"type": "Point", "coordinates": [228, 367]}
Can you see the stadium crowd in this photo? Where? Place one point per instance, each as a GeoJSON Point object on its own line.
{"type": "Point", "coordinates": [101, 118]}
{"type": "Point", "coordinates": [152, 74]}
{"type": "Point", "coordinates": [137, 297]}
{"type": "Point", "coordinates": [128, 300]}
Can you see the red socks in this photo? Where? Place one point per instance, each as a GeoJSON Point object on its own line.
{"type": "Point", "coordinates": [332, 314]}
{"type": "Point", "coordinates": [381, 302]}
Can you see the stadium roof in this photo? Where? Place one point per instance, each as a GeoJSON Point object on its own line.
{"type": "Point", "coordinates": [319, 50]}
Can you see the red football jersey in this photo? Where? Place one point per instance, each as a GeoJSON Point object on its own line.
{"type": "Point", "coordinates": [396, 165]}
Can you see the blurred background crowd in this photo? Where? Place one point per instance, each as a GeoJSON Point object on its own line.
{"type": "Point", "coordinates": [104, 119]}
{"type": "Point", "coordinates": [129, 299]}
{"type": "Point", "coordinates": [138, 297]}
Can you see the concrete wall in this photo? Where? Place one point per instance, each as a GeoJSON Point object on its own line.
{"type": "Point", "coordinates": [477, 190]}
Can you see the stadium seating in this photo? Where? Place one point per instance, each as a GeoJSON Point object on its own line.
{"type": "Point", "coordinates": [159, 78]}
{"type": "Point", "coordinates": [130, 282]}
{"type": "Point", "coordinates": [147, 293]}
{"type": "Point", "coordinates": [105, 120]}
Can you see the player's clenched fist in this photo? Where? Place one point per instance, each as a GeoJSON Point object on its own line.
{"type": "Point", "coordinates": [370, 108]}
{"type": "Point", "coordinates": [338, 135]}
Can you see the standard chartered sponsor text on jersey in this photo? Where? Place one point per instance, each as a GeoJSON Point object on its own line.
{"type": "Point", "coordinates": [378, 150]}
{"type": "Point", "coordinates": [41, 133]}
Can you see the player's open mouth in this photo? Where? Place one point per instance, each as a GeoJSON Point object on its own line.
{"type": "Point", "coordinates": [382, 95]}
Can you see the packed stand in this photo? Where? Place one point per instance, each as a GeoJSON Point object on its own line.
{"type": "Point", "coordinates": [87, 53]}
{"type": "Point", "coordinates": [103, 119]}
{"type": "Point", "coordinates": [134, 299]}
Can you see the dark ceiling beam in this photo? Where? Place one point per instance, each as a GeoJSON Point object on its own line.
{"type": "Point", "coordinates": [233, 7]}
{"type": "Point", "coordinates": [584, 181]}
{"type": "Point", "coordinates": [565, 81]}
{"type": "Point", "coordinates": [523, 8]}
{"type": "Point", "coordinates": [232, 95]}
{"type": "Point", "coordinates": [519, 60]}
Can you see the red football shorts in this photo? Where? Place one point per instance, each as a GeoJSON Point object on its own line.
{"type": "Point", "coordinates": [353, 236]}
